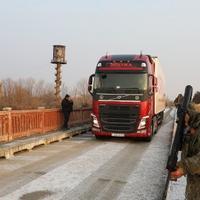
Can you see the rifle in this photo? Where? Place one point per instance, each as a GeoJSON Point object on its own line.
{"type": "Point", "coordinates": [178, 138]}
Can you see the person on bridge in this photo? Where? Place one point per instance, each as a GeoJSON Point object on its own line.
{"type": "Point", "coordinates": [67, 107]}
{"type": "Point", "coordinates": [189, 164]}
{"type": "Point", "coordinates": [177, 102]}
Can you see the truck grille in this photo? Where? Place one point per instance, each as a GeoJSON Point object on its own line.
{"type": "Point", "coordinates": [119, 118]}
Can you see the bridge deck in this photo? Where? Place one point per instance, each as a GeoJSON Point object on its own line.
{"type": "Point", "coordinates": [7, 150]}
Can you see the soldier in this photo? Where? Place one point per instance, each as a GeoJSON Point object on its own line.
{"type": "Point", "coordinates": [189, 164]}
{"type": "Point", "coordinates": [67, 107]}
{"type": "Point", "coordinates": [178, 101]}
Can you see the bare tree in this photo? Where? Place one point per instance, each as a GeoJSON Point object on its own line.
{"type": "Point", "coordinates": [64, 90]}
{"type": "Point", "coordinates": [30, 94]}
{"type": "Point", "coordinates": [1, 89]}
{"type": "Point", "coordinates": [82, 96]}
{"type": "Point", "coordinates": [26, 94]}
{"type": "Point", "coordinates": [169, 102]}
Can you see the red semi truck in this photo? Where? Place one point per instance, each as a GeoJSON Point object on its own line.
{"type": "Point", "coordinates": [129, 96]}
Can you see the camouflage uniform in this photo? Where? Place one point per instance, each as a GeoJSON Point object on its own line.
{"type": "Point", "coordinates": [190, 158]}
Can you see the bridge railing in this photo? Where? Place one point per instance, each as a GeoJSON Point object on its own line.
{"type": "Point", "coordinates": [23, 123]}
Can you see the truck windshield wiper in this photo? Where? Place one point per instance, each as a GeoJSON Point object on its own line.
{"type": "Point", "coordinates": [132, 89]}
{"type": "Point", "coordinates": [111, 89]}
{"type": "Point", "coordinates": [105, 90]}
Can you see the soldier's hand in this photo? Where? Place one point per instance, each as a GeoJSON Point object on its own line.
{"type": "Point", "coordinates": [176, 174]}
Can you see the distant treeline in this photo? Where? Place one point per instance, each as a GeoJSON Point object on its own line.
{"type": "Point", "coordinates": [29, 93]}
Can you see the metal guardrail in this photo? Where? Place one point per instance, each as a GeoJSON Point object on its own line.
{"type": "Point", "coordinates": [23, 123]}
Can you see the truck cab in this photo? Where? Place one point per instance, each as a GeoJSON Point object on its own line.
{"type": "Point", "coordinates": [126, 92]}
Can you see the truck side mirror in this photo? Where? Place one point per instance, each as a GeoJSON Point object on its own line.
{"type": "Point", "coordinates": [90, 84]}
{"type": "Point", "coordinates": [153, 84]}
{"type": "Point", "coordinates": [155, 81]}
{"type": "Point", "coordinates": [150, 92]}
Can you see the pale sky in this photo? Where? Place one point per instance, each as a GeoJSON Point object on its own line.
{"type": "Point", "coordinates": [89, 28]}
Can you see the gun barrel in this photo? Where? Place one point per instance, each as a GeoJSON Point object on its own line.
{"type": "Point", "coordinates": [178, 138]}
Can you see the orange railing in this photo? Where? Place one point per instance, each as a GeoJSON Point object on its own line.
{"type": "Point", "coordinates": [15, 124]}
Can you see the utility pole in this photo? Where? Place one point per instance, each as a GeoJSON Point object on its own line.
{"type": "Point", "coordinates": [58, 59]}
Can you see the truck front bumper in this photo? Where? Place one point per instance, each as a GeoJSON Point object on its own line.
{"type": "Point", "coordinates": [139, 134]}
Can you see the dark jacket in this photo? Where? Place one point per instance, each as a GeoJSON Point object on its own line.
{"type": "Point", "coordinates": [67, 105]}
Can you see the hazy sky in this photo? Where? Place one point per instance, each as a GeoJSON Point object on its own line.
{"type": "Point", "coordinates": [89, 28]}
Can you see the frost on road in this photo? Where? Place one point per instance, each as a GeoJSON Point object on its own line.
{"type": "Point", "coordinates": [68, 176]}
{"type": "Point", "coordinates": [110, 169]}
{"type": "Point", "coordinates": [148, 180]}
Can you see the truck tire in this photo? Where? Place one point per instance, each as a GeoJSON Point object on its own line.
{"type": "Point", "coordinates": [154, 127]}
{"type": "Point", "coordinates": [160, 118]}
{"type": "Point", "coordinates": [98, 137]}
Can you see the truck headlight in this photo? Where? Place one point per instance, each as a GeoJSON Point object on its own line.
{"type": "Point", "coordinates": [95, 121]}
{"type": "Point", "coordinates": [143, 122]}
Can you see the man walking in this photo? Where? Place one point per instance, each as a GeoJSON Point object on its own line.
{"type": "Point", "coordinates": [67, 107]}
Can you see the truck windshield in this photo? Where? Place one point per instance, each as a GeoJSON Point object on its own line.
{"type": "Point", "coordinates": [104, 82]}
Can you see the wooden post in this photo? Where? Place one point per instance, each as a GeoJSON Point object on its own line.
{"type": "Point", "coordinates": [42, 111]}
{"type": "Point", "coordinates": [9, 119]}
{"type": "Point", "coordinates": [10, 136]}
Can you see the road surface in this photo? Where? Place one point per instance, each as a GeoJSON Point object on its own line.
{"type": "Point", "coordinates": [88, 169]}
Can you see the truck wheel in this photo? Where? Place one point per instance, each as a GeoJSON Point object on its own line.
{"type": "Point", "coordinates": [154, 126]}
{"type": "Point", "coordinates": [149, 138]}
{"type": "Point", "coordinates": [98, 137]}
{"type": "Point", "coordinates": [160, 118]}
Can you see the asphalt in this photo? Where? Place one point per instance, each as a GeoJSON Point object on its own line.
{"type": "Point", "coordinates": [8, 150]}
{"type": "Point", "coordinates": [175, 191]}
